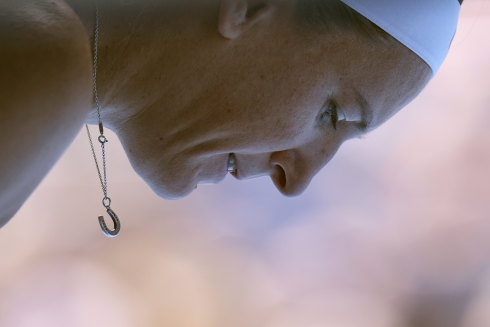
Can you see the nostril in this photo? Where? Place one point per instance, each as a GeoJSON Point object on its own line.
{"type": "Point", "coordinates": [279, 177]}
{"type": "Point", "coordinates": [291, 173]}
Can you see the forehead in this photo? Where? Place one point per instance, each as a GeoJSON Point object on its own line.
{"type": "Point", "coordinates": [381, 75]}
{"type": "Point", "coordinates": [389, 81]}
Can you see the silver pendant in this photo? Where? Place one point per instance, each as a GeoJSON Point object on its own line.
{"type": "Point", "coordinates": [117, 225]}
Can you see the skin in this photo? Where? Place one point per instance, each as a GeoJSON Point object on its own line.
{"type": "Point", "coordinates": [185, 83]}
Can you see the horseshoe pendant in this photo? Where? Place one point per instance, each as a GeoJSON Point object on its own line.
{"type": "Point", "coordinates": [117, 225]}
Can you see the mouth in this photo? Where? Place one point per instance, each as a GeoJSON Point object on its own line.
{"type": "Point", "coordinates": [232, 165]}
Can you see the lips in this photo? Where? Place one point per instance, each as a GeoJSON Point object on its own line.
{"type": "Point", "coordinates": [232, 166]}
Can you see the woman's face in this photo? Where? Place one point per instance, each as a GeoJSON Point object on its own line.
{"type": "Point", "coordinates": [280, 101]}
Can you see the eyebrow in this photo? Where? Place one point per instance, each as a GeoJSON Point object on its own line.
{"type": "Point", "coordinates": [366, 112]}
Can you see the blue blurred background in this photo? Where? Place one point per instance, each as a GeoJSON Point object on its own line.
{"type": "Point", "coordinates": [394, 232]}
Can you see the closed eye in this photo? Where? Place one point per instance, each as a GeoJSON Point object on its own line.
{"type": "Point", "coordinates": [330, 114]}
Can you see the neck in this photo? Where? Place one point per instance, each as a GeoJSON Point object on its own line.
{"type": "Point", "coordinates": [147, 54]}
{"type": "Point", "coordinates": [118, 26]}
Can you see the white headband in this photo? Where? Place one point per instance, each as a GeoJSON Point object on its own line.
{"type": "Point", "coordinates": [426, 27]}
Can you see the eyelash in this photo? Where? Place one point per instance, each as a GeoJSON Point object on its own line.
{"type": "Point", "coordinates": [329, 114]}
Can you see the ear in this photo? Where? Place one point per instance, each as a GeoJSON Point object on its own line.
{"type": "Point", "coordinates": [237, 16]}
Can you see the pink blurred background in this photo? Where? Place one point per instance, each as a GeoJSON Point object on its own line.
{"type": "Point", "coordinates": [394, 232]}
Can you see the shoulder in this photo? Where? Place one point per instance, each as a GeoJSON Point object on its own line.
{"type": "Point", "coordinates": [34, 23]}
{"type": "Point", "coordinates": [43, 34]}
{"type": "Point", "coordinates": [45, 85]}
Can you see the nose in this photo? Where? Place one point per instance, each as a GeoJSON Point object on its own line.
{"type": "Point", "coordinates": [293, 172]}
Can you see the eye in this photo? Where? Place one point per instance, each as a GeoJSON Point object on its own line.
{"type": "Point", "coordinates": [330, 114]}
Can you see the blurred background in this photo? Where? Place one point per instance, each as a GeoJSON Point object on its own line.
{"type": "Point", "coordinates": [394, 232]}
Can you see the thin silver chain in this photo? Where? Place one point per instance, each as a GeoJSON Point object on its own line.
{"type": "Point", "coordinates": [106, 201]}
{"type": "Point", "coordinates": [102, 178]}
{"type": "Point", "coordinates": [96, 56]}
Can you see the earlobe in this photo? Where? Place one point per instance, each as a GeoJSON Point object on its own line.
{"type": "Point", "coordinates": [237, 16]}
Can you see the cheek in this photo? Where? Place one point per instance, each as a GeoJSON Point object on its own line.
{"type": "Point", "coordinates": [275, 100]}
{"type": "Point", "coordinates": [277, 126]}
{"type": "Point", "coordinates": [278, 111]}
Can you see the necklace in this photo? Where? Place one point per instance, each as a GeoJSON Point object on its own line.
{"type": "Point", "coordinates": [106, 201]}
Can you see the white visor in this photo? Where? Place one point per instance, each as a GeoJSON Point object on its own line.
{"type": "Point", "coordinates": [427, 27]}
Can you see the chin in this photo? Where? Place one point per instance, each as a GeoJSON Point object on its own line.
{"type": "Point", "coordinates": [171, 191]}
{"type": "Point", "coordinates": [168, 186]}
